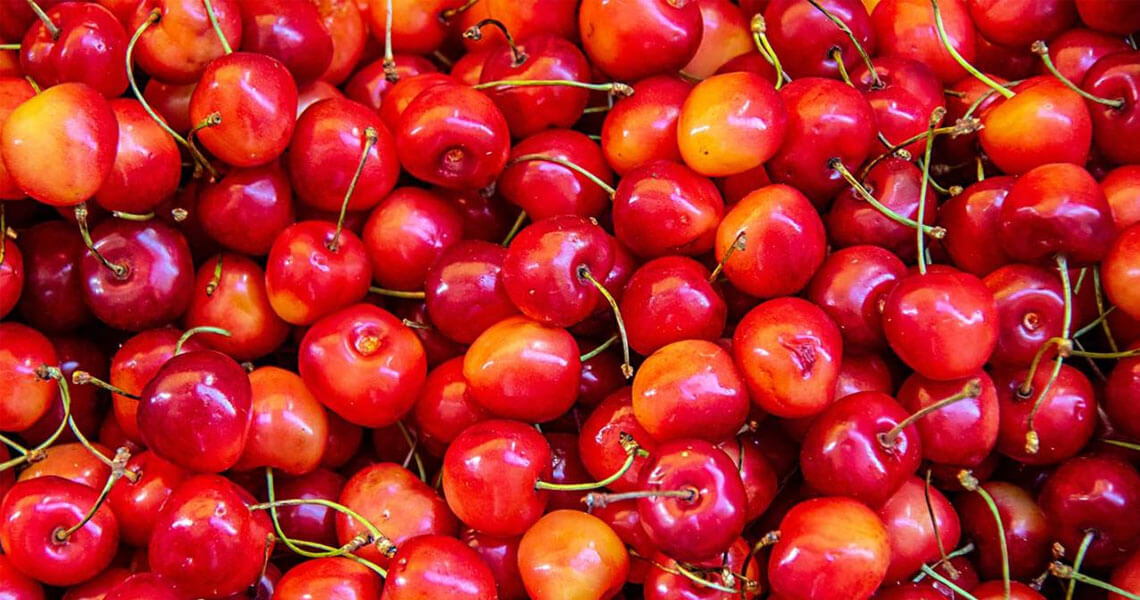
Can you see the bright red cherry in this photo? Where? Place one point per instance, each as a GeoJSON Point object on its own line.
{"type": "Point", "coordinates": [406, 234]}
{"type": "Point", "coordinates": [291, 32]}
{"type": "Point", "coordinates": [14, 585]}
{"type": "Point", "coordinates": [139, 502]}
{"type": "Point", "coordinates": [333, 577]}
{"type": "Point", "coordinates": [1077, 49]}
{"type": "Point", "coordinates": [1030, 308]}
{"type": "Point", "coordinates": [1056, 209]}
{"type": "Point", "coordinates": [642, 128]}
{"type": "Point", "coordinates": [907, 28]}
{"type": "Point", "coordinates": [850, 287]}
{"type": "Point", "coordinates": [670, 299]}
{"type": "Point", "coordinates": [397, 99]}
{"type": "Point", "coordinates": [975, 218]}
{"type": "Point", "coordinates": [1115, 78]}
{"type": "Point", "coordinates": [914, 538]}
{"type": "Point", "coordinates": [147, 164]}
{"type": "Point", "coordinates": [436, 566]}
{"type": "Point", "coordinates": [177, 47]}
{"type": "Point", "coordinates": [600, 441]}
{"type": "Point", "coordinates": [804, 37]}
{"type": "Point", "coordinates": [543, 57]}
{"type": "Point", "coordinates": [1027, 531]}
{"type": "Point", "coordinates": [547, 189]}
{"type": "Point", "coordinates": [25, 397]}
{"type": "Point", "coordinates": [634, 39]}
{"type": "Point", "coordinates": [1015, 130]}
{"type": "Point", "coordinates": [89, 46]}
{"type": "Point", "coordinates": [370, 84]}
{"type": "Point", "coordinates": [903, 93]}
{"type": "Point", "coordinates": [464, 290]}
{"type": "Point", "coordinates": [664, 208]}
{"type": "Point", "coordinates": [312, 271]}
{"type": "Point", "coordinates": [963, 432]}
{"type": "Point", "coordinates": [236, 301]}
{"type": "Point", "coordinates": [1064, 422]}
{"type": "Point", "coordinates": [247, 209]}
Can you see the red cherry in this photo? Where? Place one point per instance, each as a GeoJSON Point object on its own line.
{"type": "Point", "coordinates": [1094, 494]}
{"type": "Point", "coordinates": [247, 209]}
{"type": "Point", "coordinates": [1021, 23]}
{"type": "Point", "coordinates": [88, 46]}
{"type": "Point", "coordinates": [547, 189]}
{"type": "Point", "coordinates": [25, 397]}
{"type": "Point", "coordinates": [397, 99]}
{"type": "Point", "coordinates": [406, 234]}
{"type": "Point", "coordinates": [961, 433]}
{"type": "Point", "coordinates": [177, 47]}
{"type": "Point", "coordinates": [135, 364]}
{"type": "Point", "coordinates": [664, 208]}
{"type": "Point", "coordinates": [1027, 532]}
{"type": "Point", "coordinates": [334, 577]}
{"type": "Point", "coordinates": [171, 101]}
{"type": "Point", "coordinates": [87, 403]}
{"type": "Point", "coordinates": [864, 373]}
{"type": "Point", "coordinates": [1125, 576]}
{"type": "Point", "coordinates": [14, 91]}
{"type": "Point", "coordinates": [1064, 423]}
{"type": "Point", "coordinates": [235, 300]}
{"type": "Point", "coordinates": [1030, 308]}
{"type": "Point", "coordinates": [1014, 130]}
{"type": "Point", "coordinates": [363, 364]}
{"type": "Point", "coordinates": [903, 92]}
{"type": "Point", "coordinates": [343, 443]}
{"type": "Point", "coordinates": [52, 299]}
{"type": "Point", "coordinates": [464, 290]}
{"type": "Point", "coordinates": [566, 468]}
{"type": "Point", "coordinates": [636, 39]}
{"type": "Point", "coordinates": [291, 32]}
{"type": "Point", "coordinates": [569, 552]}
{"type": "Point", "coordinates": [315, 91]}
{"type": "Point", "coordinates": [1119, 391]}
{"type": "Point", "coordinates": [1121, 186]}
{"type": "Point", "coordinates": [147, 164]}
{"type": "Point", "coordinates": [599, 443]}
{"type": "Point", "coordinates": [73, 462]}
{"type": "Point", "coordinates": [418, 26]}
{"type": "Point", "coordinates": [523, 18]}
{"type": "Point", "coordinates": [804, 37]}
{"type": "Point", "coordinates": [725, 35]}
{"type": "Point", "coordinates": [501, 555]}
{"type": "Point", "coordinates": [345, 23]}
{"type": "Point", "coordinates": [914, 538]}
{"type": "Point", "coordinates": [907, 28]}
{"type": "Point", "coordinates": [444, 408]}
{"type": "Point", "coordinates": [1115, 78]}
{"type": "Point", "coordinates": [370, 84]}
{"type": "Point", "coordinates": [731, 123]}
{"type": "Point", "coordinates": [895, 183]}
{"type": "Point", "coordinates": [1113, 16]}
{"type": "Point", "coordinates": [1056, 208]}
{"type": "Point", "coordinates": [313, 522]}
{"type": "Point", "coordinates": [1077, 49]}
{"type": "Point", "coordinates": [670, 299]}
{"type": "Point", "coordinates": [975, 218]}
{"type": "Point", "coordinates": [756, 473]}
{"type": "Point", "coordinates": [17, 586]}
{"type": "Point", "coordinates": [642, 128]}
{"type": "Point", "coordinates": [139, 502]}
{"type": "Point", "coordinates": [995, 590]}
{"type": "Point", "coordinates": [289, 427]}
{"type": "Point", "coordinates": [850, 287]}
{"type": "Point", "coordinates": [312, 271]}
{"type": "Point", "coordinates": [435, 566]}
{"type": "Point", "coordinates": [1121, 270]}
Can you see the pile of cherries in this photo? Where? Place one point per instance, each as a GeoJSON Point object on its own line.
{"type": "Point", "coordinates": [569, 299]}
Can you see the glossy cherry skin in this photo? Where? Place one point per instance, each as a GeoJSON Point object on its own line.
{"type": "Point", "coordinates": [418, 27]}
{"type": "Point", "coordinates": [850, 287]}
{"type": "Point", "coordinates": [1109, 17]}
{"type": "Point", "coordinates": [599, 443]}
{"type": "Point", "coordinates": [401, 94]}
{"type": "Point", "coordinates": [397, 503]}
{"type": "Point", "coordinates": [806, 37]}
{"type": "Point", "coordinates": [844, 453]}
{"type": "Point", "coordinates": [906, 27]}
{"type": "Point", "coordinates": [943, 325]}
{"type": "Point", "coordinates": [369, 85]}
{"type": "Point", "coordinates": [315, 91]}
{"type": "Point", "coordinates": [521, 369]}
{"type": "Point", "coordinates": [1121, 187]}
{"type": "Point", "coordinates": [789, 353]}
{"type": "Point", "coordinates": [247, 208]}
{"type": "Point", "coordinates": [238, 303]}
{"type": "Point", "coordinates": [1121, 270]}
{"type": "Point", "coordinates": [444, 408]}
{"type": "Point", "coordinates": [334, 577]}
{"type": "Point", "coordinates": [962, 433]}
{"type": "Point", "coordinates": [291, 32]}
{"type": "Point", "coordinates": [406, 234]}
{"type": "Point", "coordinates": [1021, 23]}
{"type": "Point", "coordinates": [975, 218]}
{"type": "Point", "coordinates": [1027, 532]}
{"type": "Point", "coordinates": [682, 206]}
{"type": "Point", "coordinates": [215, 556]}
{"type": "Point", "coordinates": [1094, 493]}
{"type": "Point", "coordinates": [663, 581]}
{"type": "Point", "coordinates": [289, 427]}
{"type": "Point", "coordinates": [1115, 77]}
{"type": "Point", "coordinates": [311, 522]}
{"type": "Point", "coordinates": [1030, 308]}
{"type": "Point", "coordinates": [307, 280]}
{"type": "Point", "coordinates": [633, 40]}
{"type": "Point", "coordinates": [72, 462]}
{"type": "Point", "coordinates": [363, 364]}
{"type": "Point", "coordinates": [25, 397]}
{"type": "Point", "coordinates": [147, 164]}
{"type": "Point", "coordinates": [172, 102]}
{"type": "Point", "coordinates": [909, 92]}
{"type": "Point", "coordinates": [68, 131]}
{"type": "Point", "coordinates": [436, 566]}
{"type": "Point", "coordinates": [14, 91]}
{"type": "Point", "coordinates": [464, 290]}
{"type": "Point", "coordinates": [1057, 209]}
{"type": "Point", "coordinates": [454, 137]}
{"type": "Point", "coordinates": [89, 47]}
{"type": "Point", "coordinates": [52, 297]}
{"type": "Point", "coordinates": [17, 18]}
{"type": "Point", "coordinates": [995, 590]}
{"type": "Point", "coordinates": [1064, 422]}
{"type": "Point", "coordinates": [704, 524]}
{"type": "Point", "coordinates": [1118, 393]}
{"type": "Point", "coordinates": [1014, 130]}
{"type": "Point", "coordinates": [529, 110]}
{"type": "Point", "coordinates": [14, 585]}
{"type": "Point", "coordinates": [1076, 50]}
{"type": "Point", "coordinates": [139, 502]}
{"type": "Point", "coordinates": [257, 100]}
{"type": "Point", "coordinates": [500, 555]}
{"type": "Point", "coordinates": [31, 515]}
{"type": "Point", "coordinates": [344, 21]}
{"type": "Point", "coordinates": [182, 42]}
{"type": "Point", "coordinates": [829, 548]}
{"type": "Point", "coordinates": [642, 128]}
{"type": "Point", "coordinates": [568, 552]}
{"type": "Point", "coordinates": [545, 189]}
{"type": "Point", "coordinates": [325, 152]}
{"type": "Point", "coordinates": [731, 123]}
{"type": "Point", "coordinates": [11, 276]}
{"type": "Point", "coordinates": [690, 389]}
{"type": "Point", "coordinates": [668, 300]}
{"type": "Point", "coordinates": [826, 119]}
{"type": "Point", "coordinates": [895, 183]}
{"type": "Point", "coordinates": [914, 538]}
{"type": "Point", "coordinates": [864, 373]}
{"type": "Point", "coordinates": [1125, 576]}
{"type": "Point", "coordinates": [784, 242]}
{"type": "Point", "coordinates": [489, 475]}
{"type": "Point", "coordinates": [87, 403]}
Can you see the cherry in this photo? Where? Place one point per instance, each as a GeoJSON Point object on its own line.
{"type": "Point", "coordinates": [963, 432]}
{"type": "Point", "coordinates": [182, 42]}
{"type": "Point", "coordinates": [147, 164]}
{"type": "Point", "coordinates": [134, 365]}
{"type": "Point", "coordinates": [1125, 576]}
{"type": "Point", "coordinates": [288, 428]}
{"type": "Point", "coordinates": [896, 185]}
{"type": "Point", "coordinates": [789, 353]}
{"type": "Point", "coordinates": [139, 502]}
{"type": "Point", "coordinates": [314, 269]}
{"type": "Point", "coordinates": [248, 103]}
{"type": "Point", "coordinates": [14, 585]}
{"type": "Point", "coordinates": [433, 566]}
{"type": "Point", "coordinates": [343, 443]}
{"type": "Point", "coordinates": [418, 27]}
{"type": "Point", "coordinates": [633, 40]}
{"type": "Point", "coordinates": [14, 91]}
{"type": "Point", "coordinates": [51, 299]}
{"type": "Point", "coordinates": [670, 299]}
{"type": "Point", "coordinates": [362, 363]}
{"type": "Point", "coordinates": [908, 28]}
{"type": "Point", "coordinates": [1121, 186]}
{"type": "Point", "coordinates": [1020, 23]}
{"type": "Point", "coordinates": [11, 275]}
{"type": "Point", "coordinates": [566, 469]}
{"type": "Point", "coordinates": [397, 503]}
{"type": "Point", "coordinates": [903, 93]}
{"type": "Point", "coordinates": [826, 120]}
{"type": "Point", "coordinates": [196, 412]}
{"type": "Point", "coordinates": [397, 99]}
{"type": "Point", "coordinates": [1013, 134]}
{"type": "Point", "coordinates": [229, 293]}
{"type": "Point", "coordinates": [756, 473]}
{"type": "Point", "coordinates": [406, 234]}
{"type": "Point", "coordinates": [524, 370]}
{"type": "Point", "coordinates": [850, 287]}
{"type": "Point", "coordinates": [500, 554]}
{"type": "Point", "coordinates": [468, 68]}
{"type": "Point", "coordinates": [1030, 308]}
{"type": "Point", "coordinates": [734, 570]}
{"type": "Point", "coordinates": [1115, 118]}
{"type": "Point", "coordinates": [18, 17]}
{"type": "Point", "coordinates": [143, 585]}
{"type": "Point", "coordinates": [1110, 17]}
{"type": "Point", "coordinates": [68, 131]}
{"type": "Point", "coordinates": [600, 443]}
{"type": "Point", "coordinates": [215, 556]}
{"type": "Point", "coordinates": [664, 208]}
{"type": "Point", "coordinates": [916, 536]}
{"type": "Point", "coordinates": [1121, 270]}
{"type": "Point", "coordinates": [87, 404]}
{"type": "Point", "coordinates": [829, 547]}
{"type": "Point", "coordinates": [1025, 527]}
{"type": "Point", "coordinates": [88, 45]}
{"type": "Point", "coordinates": [332, 577]}
{"type": "Point", "coordinates": [247, 209]}
{"type": "Point", "coordinates": [1065, 414]}
{"type": "Point", "coordinates": [454, 137]}
{"type": "Point", "coordinates": [25, 397]}
{"type": "Point", "coordinates": [725, 34]}
{"type": "Point", "coordinates": [331, 141]}
{"type": "Point", "coordinates": [315, 91]}
{"type": "Point", "coordinates": [489, 476]}
{"type": "Point", "coordinates": [523, 18]}
{"type": "Point", "coordinates": [601, 376]}
{"type": "Point", "coordinates": [73, 462]}
{"type": "Point", "coordinates": [571, 552]}
{"type": "Point", "coordinates": [975, 218]}
{"type": "Point", "coordinates": [731, 123]}
{"type": "Point", "coordinates": [1077, 49]}
{"type": "Point", "coordinates": [546, 189]}
{"type": "Point", "coordinates": [1118, 394]}
{"type": "Point", "coordinates": [291, 32]}
{"type": "Point", "coordinates": [1057, 208]}
{"type": "Point", "coordinates": [805, 36]}
{"type": "Point", "coordinates": [312, 522]}
{"type": "Point", "coordinates": [444, 407]}
{"type": "Point", "coordinates": [464, 290]}
{"type": "Point", "coordinates": [138, 275]}
{"type": "Point", "coordinates": [1093, 496]}
{"type": "Point", "coordinates": [345, 23]}
{"type": "Point", "coordinates": [690, 389]}
{"type": "Point", "coordinates": [642, 128]}
{"type": "Point", "coordinates": [171, 101]}
{"type": "Point", "coordinates": [864, 373]}
{"type": "Point", "coordinates": [995, 590]}
{"type": "Point", "coordinates": [370, 84]}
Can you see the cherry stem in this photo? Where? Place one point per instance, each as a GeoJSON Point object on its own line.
{"type": "Point", "coordinates": [45, 372]}
{"type": "Point", "coordinates": [981, 168]}
{"type": "Point", "coordinates": [891, 438]}
{"type": "Point", "coordinates": [81, 220]}
{"type": "Point", "coordinates": [217, 27]}
{"type": "Point", "coordinates": [963, 126]}
{"type": "Point", "coordinates": [697, 579]}
{"type": "Point", "coordinates": [935, 575]}
{"type": "Point", "coordinates": [410, 324]}
{"type": "Point", "coordinates": [51, 27]}
{"type": "Point", "coordinates": [515, 227]}
{"type": "Point", "coordinates": [193, 331]}
{"type": "Point", "coordinates": [614, 87]}
{"type": "Point", "coordinates": [971, 69]}
{"type": "Point", "coordinates": [1078, 560]}
{"type": "Point", "coordinates": [389, 64]}
{"type": "Point", "coordinates": [397, 293]}
{"type": "Point", "coordinates": [607, 188]}
{"type": "Point", "coordinates": [628, 444]}
{"type": "Point", "coordinates": [950, 570]}
{"type": "Point", "coordinates": [450, 13]}
{"type": "Point", "coordinates": [836, 164]}
{"type": "Point", "coordinates": [626, 367]}
{"type": "Point", "coordinates": [13, 444]}
{"type": "Point", "coordinates": [1098, 292]}
{"type": "Point", "coordinates": [944, 559]}
{"type": "Point", "coordinates": [935, 117]}
{"type": "Point", "coordinates": [971, 484]}
{"type": "Point", "coordinates": [3, 233]}
{"type": "Point", "coordinates": [216, 278]}
{"type": "Point", "coordinates": [989, 93]}
{"type": "Point", "coordinates": [475, 33]}
{"type": "Point", "coordinates": [836, 54]}
{"type": "Point", "coordinates": [118, 470]}
{"type": "Point", "coordinates": [9, 46]}
{"type": "Point", "coordinates": [759, 37]}
{"type": "Point", "coordinates": [85, 378]}
{"type": "Point", "coordinates": [412, 452]}
{"type": "Point", "coordinates": [371, 136]}
{"type": "Point", "coordinates": [599, 500]}
{"type": "Point", "coordinates": [589, 110]}
{"type": "Point", "coordinates": [738, 244]}
{"type": "Point", "coordinates": [1032, 441]}
{"type": "Point", "coordinates": [1122, 444]}
{"type": "Point", "coordinates": [1063, 571]}
{"type": "Point", "coordinates": [599, 348]}
{"type": "Point", "coordinates": [1040, 48]}
{"type": "Point", "coordinates": [876, 83]}
{"type": "Point", "coordinates": [136, 217]}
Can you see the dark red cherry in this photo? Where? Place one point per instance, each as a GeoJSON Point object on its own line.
{"type": "Point", "coordinates": [291, 32]}
{"type": "Point", "coordinates": [88, 46]}
{"type": "Point", "coordinates": [1064, 422]}
{"type": "Point", "coordinates": [897, 184]}
{"type": "Point", "coordinates": [135, 364]}
{"type": "Point", "coordinates": [975, 218]}
{"type": "Point", "coordinates": [501, 556]}
{"type": "Point", "coordinates": [311, 522]}
{"type": "Point", "coordinates": [905, 94]}
{"type": "Point", "coordinates": [1094, 494]}
{"type": "Point", "coordinates": [917, 532]}
{"type": "Point", "coordinates": [531, 109]}
{"type": "Point", "coordinates": [546, 189]}
{"type": "Point", "coordinates": [1027, 531]}
{"type": "Point", "coordinates": [668, 300]}
{"type": "Point", "coordinates": [436, 566]}
{"type": "Point", "coordinates": [664, 208]}
{"type": "Point", "coordinates": [1056, 209]}
{"type": "Point", "coordinates": [761, 482]}
{"type": "Point", "coordinates": [961, 433]}
{"type": "Point", "coordinates": [464, 290]}
{"type": "Point", "coordinates": [1115, 78]}
{"type": "Point", "coordinates": [444, 408]}
{"type": "Point", "coordinates": [907, 28]}
{"type": "Point", "coordinates": [850, 287]}
{"type": "Point", "coordinates": [1030, 307]}
{"type": "Point", "coordinates": [52, 298]}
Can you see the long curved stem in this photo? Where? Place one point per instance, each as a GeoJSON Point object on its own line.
{"type": "Point", "coordinates": [1040, 48]}
{"type": "Point", "coordinates": [597, 500]}
{"type": "Point", "coordinates": [876, 83]}
{"type": "Point", "coordinates": [371, 136]}
{"type": "Point", "coordinates": [379, 291]}
{"type": "Point", "coordinates": [627, 443]}
{"type": "Point", "coordinates": [217, 27]}
{"type": "Point", "coordinates": [970, 483]}
{"type": "Point", "coordinates": [84, 232]}
{"type": "Point", "coordinates": [1078, 560]}
{"type": "Point", "coordinates": [562, 162]}
{"type": "Point", "coordinates": [193, 331]}
{"type": "Point", "coordinates": [46, 372]}
{"type": "Point", "coordinates": [837, 165]}
{"type": "Point", "coordinates": [970, 390]}
{"type": "Point", "coordinates": [475, 33]}
{"type": "Point", "coordinates": [764, 47]}
{"type": "Point", "coordinates": [935, 116]}
{"type": "Point", "coordinates": [602, 347]}
{"type": "Point", "coordinates": [941, 27]}
{"type": "Point", "coordinates": [626, 367]}
{"type": "Point", "coordinates": [118, 470]}
{"type": "Point", "coordinates": [1032, 441]}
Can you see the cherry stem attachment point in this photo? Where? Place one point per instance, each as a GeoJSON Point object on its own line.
{"type": "Point", "coordinates": [891, 438]}
{"type": "Point", "coordinates": [217, 27]}
{"type": "Point", "coordinates": [390, 72]}
{"type": "Point", "coordinates": [193, 331]}
{"type": "Point", "coordinates": [837, 165]}
{"type": "Point", "coordinates": [971, 484]}
{"type": "Point", "coordinates": [876, 83]}
{"type": "Point", "coordinates": [1063, 571]}
{"type": "Point", "coordinates": [43, 17]}
{"type": "Point", "coordinates": [475, 33]}
{"type": "Point", "coordinates": [1032, 441]}
{"type": "Point", "coordinates": [118, 471]}
{"type": "Point", "coordinates": [626, 367]}
{"type": "Point", "coordinates": [85, 378]}
{"type": "Point", "coordinates": [81, 220]}
{"type": "Point", "coordinates": [759, 37]}
{"type": "Point", "coordinates": [562, 162]}
{"type": "Point", "coordinates": [971, 69]}
{"type": "Point", "coordinates": [379, 291]}
{"type": "Point", "coordinates": [371, 136]}
{"type": "Point", "coordinates": [216, 278]}
{"type": "Point", "coordinates": [1040, 48]}
{"type": "Point", "coordinates": [935, 117]}
{"type": "Point", "coordinates": [628, 444]}
{"type": "Point", "coordinates": [599, 500]}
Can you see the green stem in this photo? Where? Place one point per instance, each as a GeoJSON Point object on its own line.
{"type": "Point", "coordinates": [118, 470]}
{"type": "Point", "coordinates": [9, 46]}
{"type": "Point", "coordinates": [960, 60]}
{"type": "Point", "coordinates": [630, 447]}
{"type": "Point", "coordinates": [42, 16]}
{"type": "Point", "coordinates": [970, 390]}
{"type": "Point", "coordinates": [371, 136]}
{"type": "Point", "coordinates": [85, 378]}
{"type": "Point", "coordinates": [594, 499]}
{"type": "Point", "coordinates": [217, 27]}
{"type": "Point", "coordinates": [195, 331]}
{"type": "Point", "coordinates": [607, 188]}
{"type": "Point", "coordinates": [216, 278]}
{"type": "Point", "coordinates": [614, 87]}
{"type": "Point", "coordinates": [390, 72]}
{"type": "Point", "coordinates": [379, 291]}
{"type": "Point", "coordinates": [970, 483]}
{"type": "Point", "coordinates": [412, 451]}
{"type": "Point", "coordinates": [599, 348]}
{"type": "Point", "coordinates": [764, 47]}
{"type": "Point", "coordinates": [45, 372]}
{"type": "Point", "coordinates": [876, 83]}
{"type": "Point", "coordinates": [946, 582]}
{"type": "Point", "coordinates": [515, 227]}
{"type": "Point", "coordinates": [1041, 49]}
{"type": "Point", "coordinates": [1032, 441]}
{"type": "Point", "coordinates": [119, 271]}
{"type": "Point", "coordinates": [1078, 560]}
{"type": "Point", "coordinates": [1061, 571]}
{"type": "Point", "coordinates": [626, 367]}
{"type": "Point", "coordinates": [1122, 444]}
{"type": "Point", "coordinates": [837, 165]}
{"type": "Point", "coordinates": [1098, 292]}
{"type": "Point", "coordinates": [935, 116]}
